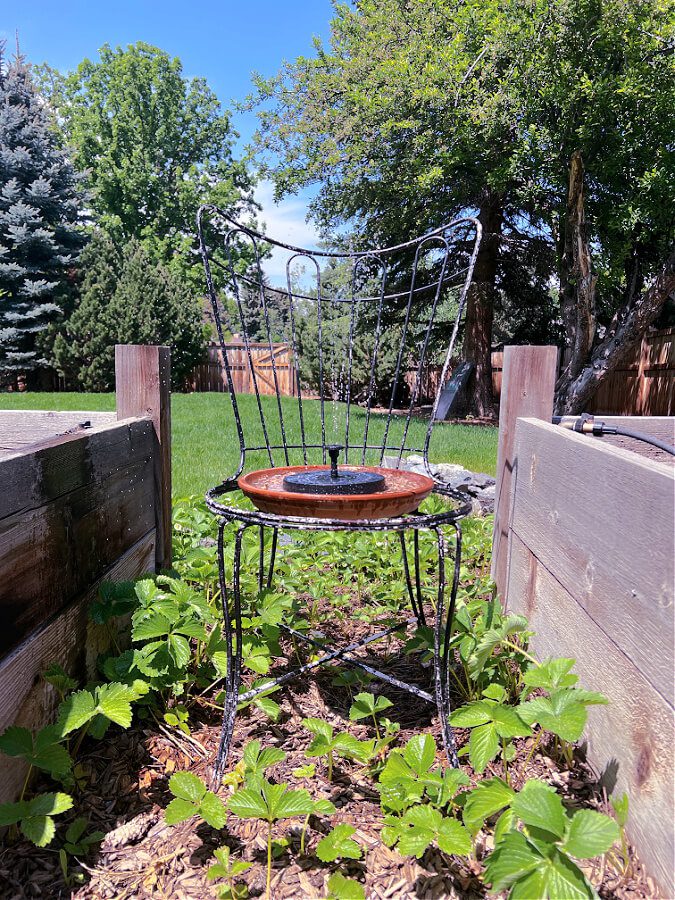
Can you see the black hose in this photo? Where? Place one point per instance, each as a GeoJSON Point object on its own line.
{"type": "Point", "coordinates": [586, 424]}
{"type": "Point", "coordinates": [639, 436]}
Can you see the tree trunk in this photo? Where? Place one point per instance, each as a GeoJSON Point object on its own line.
{"type": "Point", "coordinates": [480, 312]}
{"type": "Point", "coordinates": [607, 356]}
{"type": "Point", "coordinates": [577, 284]}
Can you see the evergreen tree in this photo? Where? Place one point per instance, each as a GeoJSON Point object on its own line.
{"type": "Point", "coordinates": [126, 298]}
{"type": "Point", "coordinates": [39, 206]}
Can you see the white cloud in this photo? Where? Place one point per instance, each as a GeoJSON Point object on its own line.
{"type": "Point", "coordinates": [285, 222]}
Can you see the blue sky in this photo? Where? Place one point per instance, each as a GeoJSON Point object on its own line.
{"type": "Point", "coordinates": [222, 41]}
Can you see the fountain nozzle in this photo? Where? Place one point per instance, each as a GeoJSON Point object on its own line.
{"type": "Point", "coordinates": [334, 451]}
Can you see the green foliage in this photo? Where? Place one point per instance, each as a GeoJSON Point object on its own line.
{"type": "Point", "coordinates": [492, 723]}
{"type": "Point", "coordinates": [414, 113]}
{"type": "Point", "coordinates": [127, 297]}
{"type": "Point", "coordinates": [409, 775]}
{"type": "Point", "coordinates": [44, 750]}
{"type": "Point", "coordinates": [341, 888]}
{"type": "Point", "coordinates": [191, 798]}
{"type": "Point", "coordinates": [153, 145]}
{"type": "Point", "coordinates": [420, 826]}
{"type": "Point", "coordinates": [228, 869]}
{"type": "Point", "coordinates": [326, 743]}
{"type": "Point", "coordinates": [338, 844]}
{"type": "Point", "coordinates": [365, 706]}
{"type": "Point", "coordinates": [40, 204]}
{"type": "Point", "coordinates": [36, 817]}
{"type": "Point", "coordinates": [106, 703]}
{"type": "Point", "coordinates": [537, 861]}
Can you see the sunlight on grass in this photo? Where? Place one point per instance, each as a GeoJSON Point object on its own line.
{"type": "Point", "coordinates": [206, 448]}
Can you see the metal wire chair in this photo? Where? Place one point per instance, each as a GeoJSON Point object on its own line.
{"type": "Point", "coordinates": [363, 328]}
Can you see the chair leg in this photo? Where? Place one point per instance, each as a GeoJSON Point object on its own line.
{"type": "Point", "coordinates": [232, 633]}
{"type": "Point", "coordinates": [273, 556]}
{"type": "Point", "coordinates": [415, 598]}
{"type": "Point", "coordinates": [262, 581]}
{"type": "Point", "coordinates": [442, 635]}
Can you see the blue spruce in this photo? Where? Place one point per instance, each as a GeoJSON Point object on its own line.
{"type": "Point", "coordinates": [40, 201]}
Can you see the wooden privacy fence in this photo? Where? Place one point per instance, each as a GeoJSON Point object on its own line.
{"type": "Point", "coordinates": [86, 498]}
{"type": "Point", "coordinates": [210, 375]}
{"type": "Point", "coordinates": [584, 548]}
{"type": "Point", "coordinates": [645, 384]}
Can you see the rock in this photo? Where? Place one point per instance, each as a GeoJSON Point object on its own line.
{"type": "Point", "coordinates": [479, 486]}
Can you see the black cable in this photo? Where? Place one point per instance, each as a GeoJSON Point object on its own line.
{"type": "Point", "coordinates": [639, 436]}
{"type": "Point", "coordinates": [586, 424]}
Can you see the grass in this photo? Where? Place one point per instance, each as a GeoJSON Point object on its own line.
{"type": "Point", "coordinates": [206, 448]}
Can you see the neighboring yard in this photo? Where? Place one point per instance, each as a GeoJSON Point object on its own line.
{"type": "Point", "coordinates": [205, 446]}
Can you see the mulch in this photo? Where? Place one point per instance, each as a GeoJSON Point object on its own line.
{"type": "Point", "coordinates": [124, 789]}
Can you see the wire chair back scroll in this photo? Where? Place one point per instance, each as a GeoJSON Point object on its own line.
{"type": "Point", "coordinates": [363, 330]}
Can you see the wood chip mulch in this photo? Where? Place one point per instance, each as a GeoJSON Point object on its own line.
{"type": "Point", "coordinates": [124, 789]}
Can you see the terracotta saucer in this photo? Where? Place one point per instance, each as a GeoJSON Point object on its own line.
{"type": "Point", "coordinates": [403, 493]}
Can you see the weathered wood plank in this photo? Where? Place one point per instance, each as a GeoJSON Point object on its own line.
{"type": "Point", "coordinates": [85, 511]}
{"type": "Point", "coordinates": [630, 740]}
{"type": "Point", "coordinates": [69, 639]}
{"type": "Point", "coordinates": [528, 382]}
{"type": "Point", "coordinates": [143, 388]}
{"type": "Point", "coordinates": [601, 520]}
{"type": "Point", "coordinates": [662, 427]}
{"type": "Point", "coordinates": [37, 475]}
{"type": "Point", "coordinates": [20, 428]}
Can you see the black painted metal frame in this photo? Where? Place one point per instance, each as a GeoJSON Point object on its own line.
{"type": "Point", "coordinates": [467, 233]}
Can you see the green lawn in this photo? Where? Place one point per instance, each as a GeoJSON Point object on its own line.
{"type": "Point", "coordinates": [206, 449]}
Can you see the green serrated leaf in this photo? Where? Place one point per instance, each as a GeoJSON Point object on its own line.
{"type": "Point", "coordinates": [454, 838]}
{"type": "Point", "coordinates": [590, 834]}
{"type": "Point", "coordinates": [75, 711]}
{"type": "Point", "coordinates": [248, 803]}
{"type": "Point", "coordinates": [187, 786]}
{"type": "Point", "coordinates": [471, 715]}
{"type": "Point", "coordinates": [486, 799]}
{"type": "Point", "coordinates": [11, 813]}
{"type": "Point", "coordinates": [342, 888]}
{"type": "Point", "coordinates": [420, 753]}
{"type": "Point", "coordinates": [16, 741]}
{"type": "Point", "coordinates": [338, 844]}
{"type": "Point", "coordinates": [287, 804]}
{"type": "Point", "coordinates": [179, 810]}
{"type": "Point", "coordinates": [270, 707]}
{"type": "Point", "coordinates": [213, 811]}
{"type": "Point", "coordinates": [513, 859]}
{"type": "Point", "coordinates": [483, 746]}
{"type": "Point", "coordinates": [114, 702]}
{"type": "Point", "coordinates": [539, 805]}
{"type": "Point", "coordinates": [39, 829]}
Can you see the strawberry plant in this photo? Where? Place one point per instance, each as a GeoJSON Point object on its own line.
{"type": "Point", "coordinates": [228, 868]}
{"type": "Point", "coordinates": [338, 844]}
{"type": "Point", "coordinates": [192, 798]}
{"type": "Point", "coordinates": [36, 817]}
{"type": "Point", "coordinates": [270, 802]}
{"type": "Point", "coordinates": [367, 706]}
{"type": "Point", "coordinates": [341, 888]}
{"type": "Point", "coordinates": [326, 743]}
{"type": "Point", "coordinates": [493, 725]}
{"type": "Point", "coordinates": [537, 859]}
{"type": "Point", "coordinates": [421, 826]}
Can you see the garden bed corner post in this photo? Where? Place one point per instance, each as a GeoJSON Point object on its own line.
{"type": "Point", "coordinates": [143, 388]}
{"type": "Point", "coordinates": [528, 385]}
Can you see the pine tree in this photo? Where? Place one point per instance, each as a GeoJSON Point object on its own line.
{"type": "Point", "coordinates": [83, 349]}
{"type": "Point", "coordinates": [126, 298]}
{"type": "Point", "coordinates": [40, 200]}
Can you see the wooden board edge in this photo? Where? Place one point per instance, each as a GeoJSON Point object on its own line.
{"type": "Point", "coordinates": [71, 640]}
{"type": "Point", "coordinates": [629, 741]}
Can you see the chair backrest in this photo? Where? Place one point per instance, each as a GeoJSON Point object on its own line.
{"type": "Point", "coordinates": [345, 349]}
